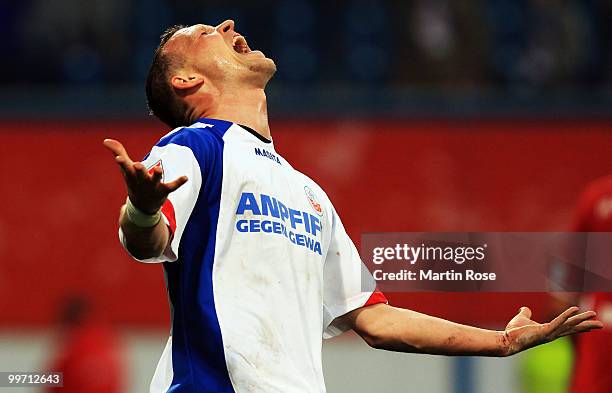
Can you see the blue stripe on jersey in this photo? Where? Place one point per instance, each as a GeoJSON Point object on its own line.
{"type": "Point", "coordinates": [198, 359]}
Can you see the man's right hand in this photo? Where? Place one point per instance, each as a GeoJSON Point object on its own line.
{"type": "Point", "coordinates": [146, 190]}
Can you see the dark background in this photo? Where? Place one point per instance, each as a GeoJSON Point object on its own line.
{"type": "Point", "coordinates": [338, 58]}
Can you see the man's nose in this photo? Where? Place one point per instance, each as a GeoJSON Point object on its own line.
{"type": "Point", "coordinates": [226, 26]}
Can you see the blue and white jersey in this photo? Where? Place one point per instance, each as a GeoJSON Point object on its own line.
{"type": "Point", "coordinates": [258, 268]}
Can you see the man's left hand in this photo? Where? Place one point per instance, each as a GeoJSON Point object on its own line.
{"type": "Point", "coordinates": [522, 333]}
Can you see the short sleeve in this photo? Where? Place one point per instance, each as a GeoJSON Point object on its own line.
{"type": "Point", "coordinates": [175, 160]}
{"type": "Point", "coordinates": [348, 285]}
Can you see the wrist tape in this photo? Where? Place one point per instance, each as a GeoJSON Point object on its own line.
{"type": "Point", "coordinates": [140, 218]}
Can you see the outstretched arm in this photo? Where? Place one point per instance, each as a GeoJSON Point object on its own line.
{"type": "Point", "coordinates": [396, 329]}
{"type": "Point", "coordinates": [147, 193]}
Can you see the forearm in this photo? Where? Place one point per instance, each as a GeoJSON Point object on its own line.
{"type": "Point", "coordinates": [144, 243]}
{"type": "Point", "coordinates": [402, 330]}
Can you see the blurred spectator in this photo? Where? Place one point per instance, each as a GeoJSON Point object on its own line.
{"type": "Point", "coordinates": [77, 42]}
{"type": "Point", "coordinates": [541, 43]}
{"type": "Point", "coordinates": [444, 44]}
{"type": "Point", "coordinates": [482, 44]}
{"type": "Point", "coordinates": [592, 368]}
{"type": "Point", "coordinates": [88, 352]}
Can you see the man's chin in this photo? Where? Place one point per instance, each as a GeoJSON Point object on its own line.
{"type": "Point", "coordinates": [272, 66]}
{"type": "Point", "coordinates": [258, 55]}
{"type": "Point", "coordinates": [263, 65]}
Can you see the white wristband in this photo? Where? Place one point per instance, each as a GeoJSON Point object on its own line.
{"type": "Point", "coordinates": [140, 218]}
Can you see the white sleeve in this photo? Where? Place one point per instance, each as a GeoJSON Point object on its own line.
{"type": "Point", "coordinates": [347, 283]}
{"type": "Point", "coordinates": [175, 161]}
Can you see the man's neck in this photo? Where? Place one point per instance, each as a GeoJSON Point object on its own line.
{"type": "Point", "coordinates": [246, 107]}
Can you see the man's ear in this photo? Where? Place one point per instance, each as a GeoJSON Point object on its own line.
{"type": "Point", "coordinates": [184, 82]}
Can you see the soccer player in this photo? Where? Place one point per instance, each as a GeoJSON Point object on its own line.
{"type": "Point", "coordinates": [591, 368]}
{"type": "Point", "coordinates": [258, 265]}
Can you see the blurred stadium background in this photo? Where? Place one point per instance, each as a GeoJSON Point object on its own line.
{"type": "Point", "coordinates": [421, 115]}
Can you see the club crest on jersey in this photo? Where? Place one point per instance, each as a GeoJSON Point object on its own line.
{"type": "Point", "coordinates": [312, 199]}
{"type": "Point", "coordinates": [157, 164]}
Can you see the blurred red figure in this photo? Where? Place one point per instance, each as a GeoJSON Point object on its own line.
{"type": "Point", "coordinates": [592, 369]}
{"type": "Point", "coordinates": [88, 354]}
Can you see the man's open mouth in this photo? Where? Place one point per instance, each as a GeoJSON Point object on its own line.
{"type": "Point", "coordinates": [240, 45]}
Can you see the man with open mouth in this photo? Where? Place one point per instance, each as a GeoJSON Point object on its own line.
{"type": "Point", "coordinates": [258, 265]}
